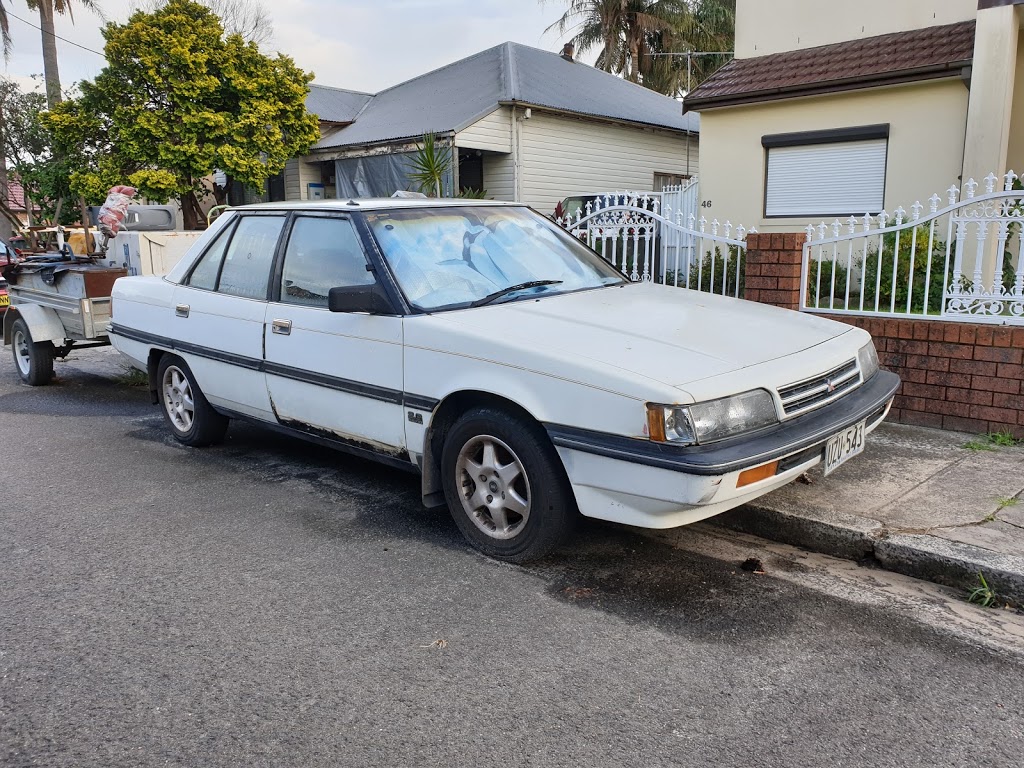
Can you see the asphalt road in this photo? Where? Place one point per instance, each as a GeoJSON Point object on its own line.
{"type": "Point", "coordinates": [268, 602]}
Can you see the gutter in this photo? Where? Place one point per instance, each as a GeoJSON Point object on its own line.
{"type": "Point", "coordinates": [603, 118]}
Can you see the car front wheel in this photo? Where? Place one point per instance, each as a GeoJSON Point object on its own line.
{"type": "Point", "coordinates": [505, 486]}
{"type": "Point", "coordinates": [192, 419]}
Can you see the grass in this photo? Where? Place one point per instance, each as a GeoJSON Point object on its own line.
{"type": "Point", "coordinates": [1003, 438]}
{"type": "Point", "coordinates": [1007, 501]}
{"type": "Point", "coordinates": [992, 441]}
{"type": "Point", "coordinates": [983, 594]}
{"type": "Point", "coordinates": [978, 445]}
{"type": "Point", "coordinates": [133, 377]}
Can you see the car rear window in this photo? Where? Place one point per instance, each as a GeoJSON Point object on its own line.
{"type": "Point", "coordinates": [246, 269]}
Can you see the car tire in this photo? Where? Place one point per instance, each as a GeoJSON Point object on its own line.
{"type": "Point", "coordinates": [33, 359]}
{"type": "Point", "coordinates": [505, 486]}
{"type": "Point", "coordinates": [192, 419]}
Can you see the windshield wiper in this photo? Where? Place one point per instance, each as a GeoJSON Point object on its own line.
{"type": "Point", "coordinates": [512, 289]}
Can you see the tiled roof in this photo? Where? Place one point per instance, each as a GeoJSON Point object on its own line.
{"type": "Point", "coordinates": [16, 196]}
{"type": "Point", "coordinates": [456, 96]}
{"type": "Point", "coordinates": [920, 54]}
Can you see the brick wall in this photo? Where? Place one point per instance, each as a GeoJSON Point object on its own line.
{"type": "Point", "coordinates": [960, 376]}
{"type": "Point", "coordinates": [955, 375]}
{"type": "Point", "coordinates": [773, 268]}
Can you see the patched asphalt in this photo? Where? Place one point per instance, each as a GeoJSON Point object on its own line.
{"type": "Point", "coordinates": [269, 602]}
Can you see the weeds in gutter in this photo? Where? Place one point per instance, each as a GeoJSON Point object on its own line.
{"type": "Point", "coordinates": [1007, 501]}
{"type": "Point", "coordinates": [983, 594]}
{"type": "Point", "coordinates": [132, 377]}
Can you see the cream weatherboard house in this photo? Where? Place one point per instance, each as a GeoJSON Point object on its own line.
{"type": "Point", "coordinates": [527, 125]}
{"type": "Point", "coordinates": [833, 108]}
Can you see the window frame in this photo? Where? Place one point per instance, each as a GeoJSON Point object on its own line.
{"type": "Point", "coordinates": [828, 136]}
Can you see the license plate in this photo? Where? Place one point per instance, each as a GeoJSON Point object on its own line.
{"type": "Point", "coordinates": [844, 446]}
{"type": "Point", "coordinates": [5, 300]}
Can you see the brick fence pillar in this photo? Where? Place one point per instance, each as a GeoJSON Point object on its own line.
{"type": "Point", "coordinates": [772, 272]}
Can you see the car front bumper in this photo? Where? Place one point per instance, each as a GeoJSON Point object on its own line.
{"type": "Point", "coordinates": [657, 485]}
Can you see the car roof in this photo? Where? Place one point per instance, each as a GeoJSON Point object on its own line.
{"type": "Point", "coordinates": [374, 203]}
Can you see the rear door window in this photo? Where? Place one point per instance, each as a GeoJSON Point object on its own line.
{"type": "Point", "coordinates": [250, 254]}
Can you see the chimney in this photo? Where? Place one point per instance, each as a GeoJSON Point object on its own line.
{"type": "Point", "coordinates": [567, 51]}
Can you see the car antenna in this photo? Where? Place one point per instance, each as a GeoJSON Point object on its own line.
{"type": "Point", "coordinates": [353, 202]}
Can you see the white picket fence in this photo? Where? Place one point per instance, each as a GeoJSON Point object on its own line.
{"type": "Point", "coordinates": [647, 241]}
{"type": "Point", "coordinates": [961, 261]}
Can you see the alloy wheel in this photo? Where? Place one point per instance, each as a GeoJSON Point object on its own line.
{"type": "Point", "coordinates": [178, 400]}
{"type": "Point", "coordinates": [494, 488]}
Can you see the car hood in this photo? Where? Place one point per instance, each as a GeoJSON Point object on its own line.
{"type": "Point", "coordinates": [671, 335]}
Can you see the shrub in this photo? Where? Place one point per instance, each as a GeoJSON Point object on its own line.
{"type": "Point", "coordinates": [825, 268]}
{"type": "Point", "coordinates": [701, 273]}
{"type": "Point", "coordinates": [885, 289]}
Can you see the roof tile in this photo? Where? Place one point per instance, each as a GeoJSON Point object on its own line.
{"type": "Point", "coordinates": [849, 64]}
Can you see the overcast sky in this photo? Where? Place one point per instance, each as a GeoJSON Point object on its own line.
{"type": "Point", "coordinates": [365, 45]}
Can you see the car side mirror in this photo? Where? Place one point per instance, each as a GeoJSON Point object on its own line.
{"type": "Point", "coordinates": [360, 298]}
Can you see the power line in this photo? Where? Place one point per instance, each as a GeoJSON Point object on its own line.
{"type": "Point", "coordinates": [63, 39]}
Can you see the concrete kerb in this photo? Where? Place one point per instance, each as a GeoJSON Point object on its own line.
{"type": "Point", "coordinates": [951, 563]}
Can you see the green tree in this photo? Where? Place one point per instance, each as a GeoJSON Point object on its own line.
{"type": "Point", "coordinates": [27, 147]}
{"type": "Point", "coordinates": [178, 100]}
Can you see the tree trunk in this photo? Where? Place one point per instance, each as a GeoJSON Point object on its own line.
{"type": "Point", "coordinates": [50, 71]}
{"type": "Point", "coordinates": [6, 227]}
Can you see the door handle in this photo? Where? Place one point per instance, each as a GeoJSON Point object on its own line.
{"type": "Point", "coordinates": [282, 327]}
{"type": "Point", "coordinates": [181, 310]}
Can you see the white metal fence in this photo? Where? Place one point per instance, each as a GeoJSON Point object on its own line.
{"type": "Point", "coordinates": [963, 260]}
{"type": "Point", "coordinates": [649, 242]}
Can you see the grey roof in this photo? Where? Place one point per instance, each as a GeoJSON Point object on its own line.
{"type": "Point", "coordinates": [335, 105]}
{"type": "Point", "coordinates": [457, 95]}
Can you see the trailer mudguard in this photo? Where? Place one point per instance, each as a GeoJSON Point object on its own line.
{"type": "Point", "coordinates": [43, 323]}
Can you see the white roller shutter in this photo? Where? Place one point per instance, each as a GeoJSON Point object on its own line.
{"type": "Point", "coordinates": [826, 179]}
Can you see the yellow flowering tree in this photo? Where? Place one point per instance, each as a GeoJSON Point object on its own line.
{"type": "Point", "coordinates": [178, 100]}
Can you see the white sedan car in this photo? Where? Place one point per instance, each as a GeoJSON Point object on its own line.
{"type": "Point", "coordinates": [485, 348]}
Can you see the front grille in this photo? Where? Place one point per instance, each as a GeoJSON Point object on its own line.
{"type": "Point", "coordinates": [824, 388]}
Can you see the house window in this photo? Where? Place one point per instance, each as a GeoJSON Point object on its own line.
{"type": "Point", "coordinates": [663, 180]}
{"type": "Point", "coordinates": [826, 173]}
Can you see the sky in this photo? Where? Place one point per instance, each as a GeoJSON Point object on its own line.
{"type": "Point", "coordinates": [363, 45]}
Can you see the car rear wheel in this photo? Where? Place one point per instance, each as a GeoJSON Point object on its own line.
{"type": "Point", "coordinates": [34, 360]}
{"type": "Point", "coordinates": [192, 419]}
{"type": "Point", "coordinates": [505, 486]}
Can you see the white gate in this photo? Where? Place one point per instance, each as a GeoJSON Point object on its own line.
{"type": "Point", "coordinates": [646, 242]}
{"type": "Point", "coordinates": [962, 261]}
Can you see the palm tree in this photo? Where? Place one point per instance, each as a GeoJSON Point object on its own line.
{"type": "Point", "coordinates": [5, 31]}
{"type": "Point", "coordinates": [645, 41]}
{"type": "Point", "coordinates": [624, 29]}
{"type": "Point", "coordinates": [48, 9]}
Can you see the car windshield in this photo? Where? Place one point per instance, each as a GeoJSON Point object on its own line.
{"type": "Point", "coordinates": [446, 258]}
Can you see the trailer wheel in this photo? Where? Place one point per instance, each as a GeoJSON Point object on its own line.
{"type": "Point", "coordinates": [34, 360]}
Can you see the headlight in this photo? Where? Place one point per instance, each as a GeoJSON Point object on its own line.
{"type": "Point", "coordinates": [712, 420]}
{"type": "Point", "coordinates": [868, 359]}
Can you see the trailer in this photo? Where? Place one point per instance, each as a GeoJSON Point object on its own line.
{"type": "Point", "coordinates": [59, 301]}
{"type": "Point", "coordinates": [55, 305]}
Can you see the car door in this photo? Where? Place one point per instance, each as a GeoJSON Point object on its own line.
{"type": "Point", "coordinates": [332, 372]}
{"type": "Point", "coordinates": [218, 313]}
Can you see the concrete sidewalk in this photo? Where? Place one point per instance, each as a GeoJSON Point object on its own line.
{"type": "Point", "coordinates": [917, 501]}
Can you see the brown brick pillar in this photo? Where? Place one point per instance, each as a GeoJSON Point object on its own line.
{"type": "Point", "coordinates": [773, 268]}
